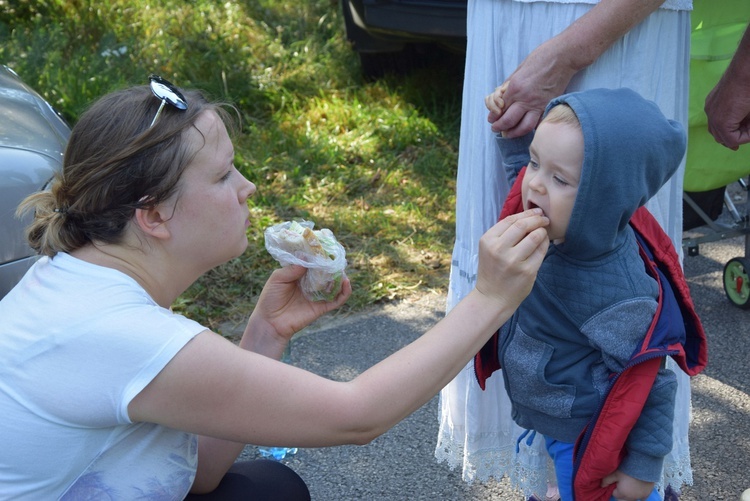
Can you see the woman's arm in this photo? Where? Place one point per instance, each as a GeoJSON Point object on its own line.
{"type": "Point", "coordinates": [282, 310]}
{"type": "Point", "coordinates": [213, 388]}
{"type": "Point", "coordinates": [547, 71]}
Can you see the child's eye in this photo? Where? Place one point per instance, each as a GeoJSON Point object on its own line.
{"type": "Point", "coordinates": [533, 165]}
{"type": "Point", "coordinates": [226, 176]}
{"type": "Point", "coordinates": [560, 181]}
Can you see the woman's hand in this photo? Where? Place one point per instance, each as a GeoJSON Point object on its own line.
{"type": "Point", "coordinates": [282, 310]}
{"type": "Point", "coordinates": [510, 254]}
{"type": "Point", "coordinates": [628, 488]}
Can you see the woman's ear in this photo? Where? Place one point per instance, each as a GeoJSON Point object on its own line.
{"type": "Point", "coordinates": [152, 221]}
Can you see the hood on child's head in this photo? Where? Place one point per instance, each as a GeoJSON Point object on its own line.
{"type": "Point", "coordinates": [630, 151]}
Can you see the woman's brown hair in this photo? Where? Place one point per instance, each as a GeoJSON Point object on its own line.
{"type": "Point", "coordinates": [114, 163]}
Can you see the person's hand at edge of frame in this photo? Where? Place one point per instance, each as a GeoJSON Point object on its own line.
{"type": "Point", "coordinates": [727, 108]}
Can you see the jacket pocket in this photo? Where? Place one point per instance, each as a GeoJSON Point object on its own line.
{"type": "Point", "coordinates": [524, 361]}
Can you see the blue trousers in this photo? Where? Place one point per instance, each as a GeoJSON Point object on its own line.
{"type": "Point", "coordinates": [562, 455]}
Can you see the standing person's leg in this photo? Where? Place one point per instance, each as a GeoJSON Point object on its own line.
{"type": "Point", "coordinates": [259, 480]}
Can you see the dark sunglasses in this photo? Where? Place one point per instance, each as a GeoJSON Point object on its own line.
{"type": "Point", "coordinates": [166, 93]}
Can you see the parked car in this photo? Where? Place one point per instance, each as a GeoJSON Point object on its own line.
{"type": "Point", "coordinates": [383, 31]}
{"type": "Point", "coordinates": [32, 140]}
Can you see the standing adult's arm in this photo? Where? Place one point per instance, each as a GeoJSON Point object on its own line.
{"type": "Point", "coordinates": [728, 104]}
{"type": "Point", "coordinates": [548, 69]}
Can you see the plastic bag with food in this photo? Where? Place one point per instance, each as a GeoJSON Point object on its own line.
{"type": "Point", "coordinates": [295, 242]}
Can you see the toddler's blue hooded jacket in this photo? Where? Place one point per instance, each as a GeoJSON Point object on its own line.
{"type": "Point", "coordinates": [592, 314]}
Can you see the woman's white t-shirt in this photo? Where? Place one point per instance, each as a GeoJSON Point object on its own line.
{"type": "Point", "coordinates": [77, 343]}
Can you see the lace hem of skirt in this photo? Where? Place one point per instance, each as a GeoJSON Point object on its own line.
{"type": "Point", "coordinates": [532, 474]}
{"type": "Point", "coordinates": [523, 471]}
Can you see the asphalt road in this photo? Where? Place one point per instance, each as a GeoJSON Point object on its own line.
{"type": "Point", "coordinates": [400, 464]}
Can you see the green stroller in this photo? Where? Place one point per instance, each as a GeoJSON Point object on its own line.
{"type": "Point", "coordinates": [710, 167]}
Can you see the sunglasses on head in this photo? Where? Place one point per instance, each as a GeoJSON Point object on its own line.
{"type": "Point", "coordinates": [166, 93]}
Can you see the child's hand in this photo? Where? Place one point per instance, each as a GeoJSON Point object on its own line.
{"type": "Point", "coordinates": [628, 488]}
{"type": "Point", "coordinates": [495, 103]}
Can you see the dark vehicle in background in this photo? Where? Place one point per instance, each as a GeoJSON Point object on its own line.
{"type": "Point", "coordinates": [32, 141]}
{"type": "Point", "coordinates": [389, 34]}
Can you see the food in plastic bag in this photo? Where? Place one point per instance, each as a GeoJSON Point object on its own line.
{"type": "Point", "coordinates": [295, 242]}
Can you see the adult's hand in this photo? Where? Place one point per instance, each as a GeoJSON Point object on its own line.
{"type": "Point", "coordinates": [510, 254]}
{"type": "Point", "coordinates": [517, 105]}
{"type": "Point", "coordinates": [728, 104]}
{"type": "Point", "coordinates": [548, 69]}
{"type": "Point", "coordinates": [282, 308]}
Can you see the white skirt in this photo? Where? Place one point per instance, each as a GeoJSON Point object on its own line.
{"type": "Point", "coordinates": [476, 430]}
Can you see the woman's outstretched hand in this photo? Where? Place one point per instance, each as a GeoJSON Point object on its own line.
{"type": "Point", "coordinates": [510, 254]}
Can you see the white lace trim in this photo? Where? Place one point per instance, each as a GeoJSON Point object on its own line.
{"type": "Point", "coordinates": [527, 472]}
{"type": "Point", "coordinates": [527, 476]}
{"type": "Point", "coordinates": [677, 473]}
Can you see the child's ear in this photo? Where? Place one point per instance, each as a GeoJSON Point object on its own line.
{"type": "Point", "coordinates": [152, 221]}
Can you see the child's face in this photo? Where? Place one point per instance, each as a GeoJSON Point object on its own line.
{"type": "Point", "coordinates": [552, 176]}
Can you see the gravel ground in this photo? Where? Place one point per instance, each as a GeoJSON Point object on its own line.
{"type": "Point", "coordinates": [400, 464]}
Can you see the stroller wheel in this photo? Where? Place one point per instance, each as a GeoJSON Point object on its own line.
{"type": "Point", "coordinates": [737, 282]}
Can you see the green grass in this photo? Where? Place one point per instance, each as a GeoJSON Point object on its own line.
{"type": "Point", "coordinates": [372, 161]}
